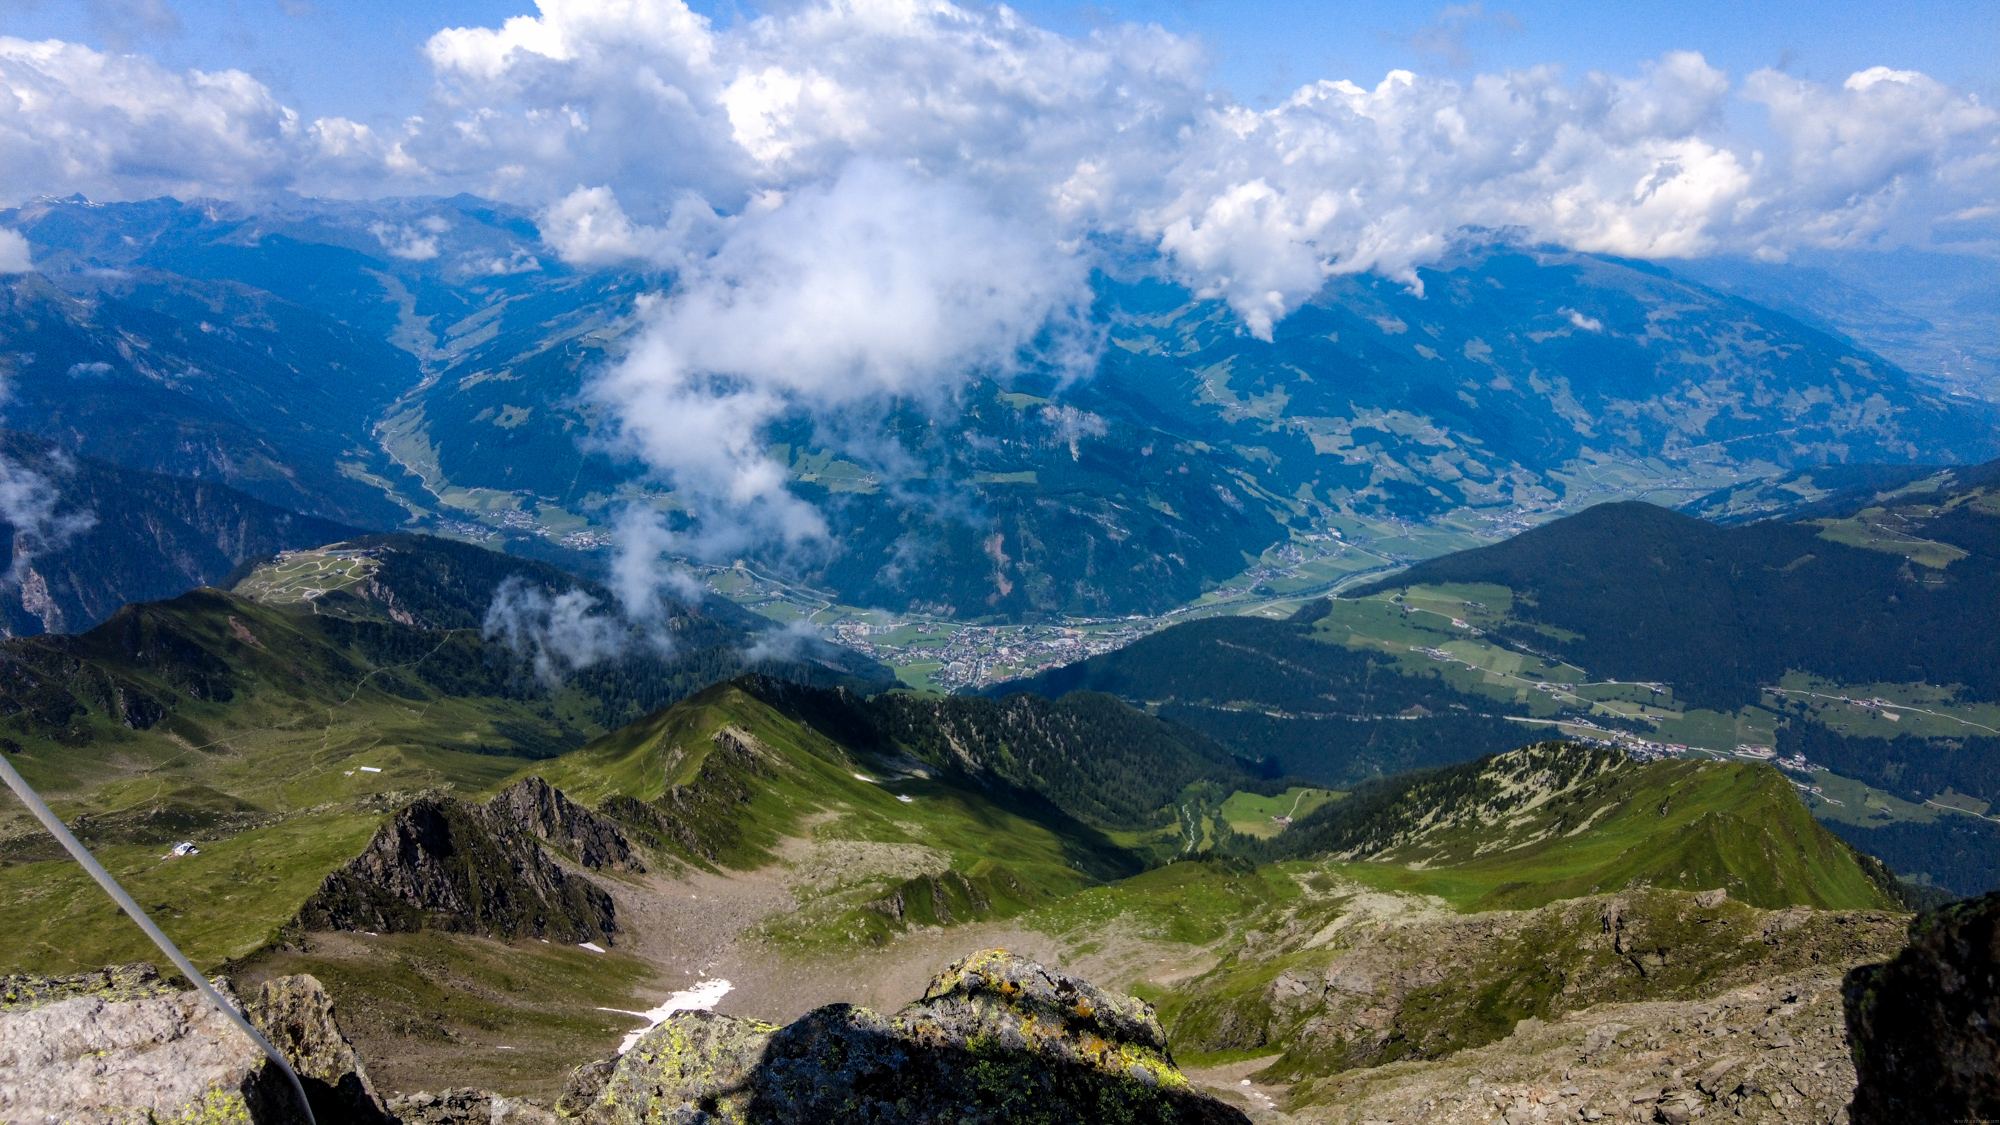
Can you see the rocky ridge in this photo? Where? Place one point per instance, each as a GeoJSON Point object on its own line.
{"type": "Point", "coordinates": [445, 864]}
{"type": "Point", "coordinates": [1366, 978]}
{"type": "Point", "coordinates": [1770, 1052]}
{"type": "Point", "coordinates": [995, 1038]}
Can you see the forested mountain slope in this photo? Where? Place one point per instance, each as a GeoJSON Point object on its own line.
{"type": "Point", "coordinates": [106, 535]}
{"type": "Point", "coordinates": [1271, 690]}
{"type": "Point", "coordinates": [1900, 591]}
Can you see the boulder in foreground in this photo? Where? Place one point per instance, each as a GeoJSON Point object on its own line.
{"type": "Point", "coordinates": [996, 1038]}
{"type": "Point", "coordinates": [121, 1046]}
{"type": "Point", "coordinates": [1925, 1027]}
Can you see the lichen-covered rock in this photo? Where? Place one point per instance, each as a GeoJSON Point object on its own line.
{"type": "Point", "coordinates": [120, 1047]}
{"type": "Point", "coordinates": [694, 1064]}
{"type": "Point", "coordinates": [137, 981]}
{"type": "Point", "coordinates": [296, 1015]}
{"type": "Point", "coordinates": [996, 1038]}
{"type": "Point", "coordinates": [1925, 1027]}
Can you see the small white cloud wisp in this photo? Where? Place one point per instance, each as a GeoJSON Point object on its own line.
{"type": "Point", "coordinates": [556, 635]}
{"type": "Point", "coordinates": [31, 505]}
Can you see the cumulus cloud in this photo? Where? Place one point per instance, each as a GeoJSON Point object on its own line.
{"type": "Point", "coordinates": [14, 254]}
{"type": "Point", "coordinates": [639, 130]}
{"type": "Point", "coordinates": [883, 285]}
{"type": "Point", "coordinates": [556, 635]}
{"type": "Point", "coordinates": [120, 126]}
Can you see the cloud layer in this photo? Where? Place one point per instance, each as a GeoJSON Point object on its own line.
{"type": "Point", "coordinates": [659, 118]}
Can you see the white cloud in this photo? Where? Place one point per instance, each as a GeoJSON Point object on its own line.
{"type": "Point", "coordinates": [1888, 152]}
{"type": "Point", "coordinates": [671, 123]}
{"type": "Point", "coordinates": [556, 635]}
{"type": "Point", "coordinates": [412, 242]}
{"type": "Point", "coordinates": [883, 284]}
{"type": "Point", "coordinates": [117, 126]}
{"type": "Point", "coordinates": [14, 254]}
{"type": "Point", "coordinates": [29, 503]}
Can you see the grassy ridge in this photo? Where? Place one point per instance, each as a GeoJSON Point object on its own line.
{"type": "Point", "coordinates": [983, 852]}
{"type": "Point", "coordinates": [1558, 820]}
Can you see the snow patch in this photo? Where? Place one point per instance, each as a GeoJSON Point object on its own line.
{"type": "Point", "coordinates": [701, 998]}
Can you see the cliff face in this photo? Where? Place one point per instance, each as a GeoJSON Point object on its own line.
{"type": "Point", "coordinates": [123, 1047]}
{"type": "Point", "coordinates": [542, 811]}
{"type": "Point", "coordinates": [994, 1038]}
{"type": "Point", "coordinates": [1925, 1027]}
{"type": "Point", "coordinates": [448, 865]}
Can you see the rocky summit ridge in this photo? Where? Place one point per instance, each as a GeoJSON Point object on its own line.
{"type": "Point", "coordinates": [995, 1038]}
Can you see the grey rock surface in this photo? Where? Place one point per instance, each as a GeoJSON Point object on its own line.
{"type": "Point", "coordinates": [448, 865]}
{"type": "Point", "coordinates": [542, 811]}
{"type": "Point", "coordinates": [121, 1047]}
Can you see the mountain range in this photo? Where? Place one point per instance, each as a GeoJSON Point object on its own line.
{"type": "Point", "coordinates": [299, 354]}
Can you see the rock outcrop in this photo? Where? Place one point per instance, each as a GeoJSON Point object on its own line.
{"type": "Point", "coordinates": [1772, 1052]}
{"type": "Point", "coordinates": [447, 865]}
{"type": "Point", "coordinates": [542, 811]}
{"type": "Point", "coordinates": [995, 1038]}
{"type": "Point", "coordinates": [467, 1106]}
{"type": "Point", "coordinates": [1925, 1027]}
{"type": "Point", "coordinates": [296, 1015]}
{"type": "Point", "coordinates": [1398, 977]}
{"type": "Point", "coordinates": [123, 1047]}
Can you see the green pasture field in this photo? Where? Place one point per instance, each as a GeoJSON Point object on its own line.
{"type": "Point", "coordinates": [221, 904]}
{"type": "Point", "coordinates": [1194, 902]}
{"type": "Point", "coordinates": [1722, 733]}
{"type": "Point", "coordinates": [303, 576]}
{"type": "Point", "coordinates": [1920, 710]}
{"type": "Point", "coordinates": [1875, 530]}
{"type": "Point", "coordinates": [1253, 814]}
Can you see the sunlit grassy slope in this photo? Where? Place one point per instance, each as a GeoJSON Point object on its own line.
{"type": "Point", "coordinates": [1559, 820]}
{"type": "Point", "coordinates": [985, 851]}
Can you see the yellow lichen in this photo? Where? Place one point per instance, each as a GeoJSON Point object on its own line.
{"type": "Point", "coordinates": [215, 1106]}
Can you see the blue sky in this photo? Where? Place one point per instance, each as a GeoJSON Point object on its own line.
{"type": "Point", "coordinates": [360, 58]}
